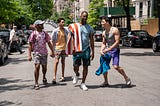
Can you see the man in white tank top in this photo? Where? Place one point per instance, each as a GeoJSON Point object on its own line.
{"type": "Point", "coordinates": [111, 38]}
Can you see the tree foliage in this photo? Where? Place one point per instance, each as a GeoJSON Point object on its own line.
{"type": "Point", "coordinates": [9, 11]}
{"type": "Point", "coordinates": [64, 14]}
{"type": "Point", "coordinates": [93, 17]}
{"type": "Point", "coordinates": [41, 9]}
{"type": "Point", "coordinates": [21, 12]}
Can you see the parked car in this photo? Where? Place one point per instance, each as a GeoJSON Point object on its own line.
{"type": "Point", "coordinates": [4, 40]}
{"type": "Point", "coordinates": [137, 38]}
{"type": "Point", "coordinates": [28, 33]}
{"type": "Point", "coordinates": [123, 32]}
{"type": "Point", "coordinates": [23, 37]}
{"type": "Point", "coordinates": [156, 42]}
{"type": "Point", "coordinates": [98, 35]}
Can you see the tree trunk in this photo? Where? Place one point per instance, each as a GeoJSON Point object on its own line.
{"type": "Point", "coordinates": [127, 10]}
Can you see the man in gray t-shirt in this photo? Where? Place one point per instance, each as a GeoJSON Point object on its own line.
{"type": "Point", "coordinates": [87, 41]}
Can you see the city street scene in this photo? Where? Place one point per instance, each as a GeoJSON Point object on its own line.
{"type": "Point", "coordinates": [79, 52]}
{"type": "Point", "coordinates": [141, 65]}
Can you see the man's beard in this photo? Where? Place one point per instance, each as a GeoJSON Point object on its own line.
{"type": "Point", "coordinates": [84, 21]}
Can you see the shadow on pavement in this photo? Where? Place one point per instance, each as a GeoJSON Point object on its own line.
{"type": "Point", "coordinates": [4, 81]}
{"type": "Point", "coordinates": [6, 103]}
{"type": "Point", "coordinates": [14, 61]}
{"type": "Point", "coordinates": [111, 86]}
{"type": "Point", "coordinates": [93, 86]}
{"type": "Point", "coordinates": [9, 85]}
{"type": "Point", "coordinates": [52, 85]}
{"type": "Point", "coordinates": [121, 86]}
{"type": "Point", "coordinates": [17, 60]}
{"type": "Point", "coordinates": [141, 54]}
{"type": "Point", "coordinates": [68, 78]}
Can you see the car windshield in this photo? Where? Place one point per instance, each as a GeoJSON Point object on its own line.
{"type": "Point", "coordinates": [158, 33]}
{"type": "Point", "coordinates": [98, 32]}
{"type": "Point", "coordinates": [4, 33]}
{"type": "Point", "coordinates": [141, 33]}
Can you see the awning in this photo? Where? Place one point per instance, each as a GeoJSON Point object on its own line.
{"type": "Point", "coordinates": [115, 11]}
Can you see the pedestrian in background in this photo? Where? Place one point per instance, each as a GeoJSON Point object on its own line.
{"type": "Point", "coordinates": [59, 41]}
{"type": "Point", "coordinates": [13, 40]}
{"type": "Point", "coordinates": [110, 45]}
{"type": "Point", "coordinates": [82, 34]}
{"type": "Point", "coordinates": [37, 44]}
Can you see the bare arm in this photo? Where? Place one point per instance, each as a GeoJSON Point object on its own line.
{"type": "Point", "coordinates": [103, 45]}
{"type": "Point", "coordinates": [29, 51]}
{"type": "Point", "coordinates": [51, 48]}
{"type": "Point", "coordinates": [92, 45]}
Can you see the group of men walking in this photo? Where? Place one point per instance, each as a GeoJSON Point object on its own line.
{"type": "Point", "coordinates": [77, 41]}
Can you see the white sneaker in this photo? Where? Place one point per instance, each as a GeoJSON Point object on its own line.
{"type": "Point", "coordinates": [75, 79]}
{"type": "Point", "coordinates": [128, 82]}
{"type": "Point", "coordinates": [83, 87]}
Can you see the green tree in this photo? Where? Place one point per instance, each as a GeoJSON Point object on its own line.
{"type": "Point", "coordinates": [41, 9]}
{"type": "Point", "coordinates": [8, 11]}
{"type": "Point", "coordinates": [14, 12]}
{"type": "Point", "coordinates": [93, 17]}
{"type": "Point", "coordinates": [64, 14]}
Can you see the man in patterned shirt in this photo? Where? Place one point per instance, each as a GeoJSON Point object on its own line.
{"type": "Point", "coordinates": [37, 45]}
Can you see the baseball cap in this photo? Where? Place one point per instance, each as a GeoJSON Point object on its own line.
{"type": "Point", "coordinates": [38, 22]}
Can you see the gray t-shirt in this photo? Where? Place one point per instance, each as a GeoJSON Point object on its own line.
{"type": "Point", "coordinates": [86, 30]}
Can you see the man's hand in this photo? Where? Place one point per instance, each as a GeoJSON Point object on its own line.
{"type": "Point", "coordinates": [106, 50]}
{"type": "Point", "coordinates": [52, 54]}
{"type": "Point", "coordinates": [92, 56]}
{"type": "Point", "coordinates": [29, 58]}
{"type": "Point", "coordinates": [102, 53]}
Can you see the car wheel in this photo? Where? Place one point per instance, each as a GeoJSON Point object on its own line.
{"type": "Point", "coordinates": [2, 60]}
{"type": "Point", "coordinates": [131, 43]}
{"type": "Point", "coordinates": [154, 47]}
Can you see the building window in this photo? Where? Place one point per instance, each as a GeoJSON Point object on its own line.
{"type": "Point", "coordinates": [140, 9]}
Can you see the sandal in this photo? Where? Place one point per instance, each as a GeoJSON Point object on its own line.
{"type": "Point", "coordinates": [44, 81]}
{"type": "Point", "coordinates": [62, 79]}
{"type": "Point", "coordinates": [36, 87]}
{"type": "Point", "coordinates": [53, 82]}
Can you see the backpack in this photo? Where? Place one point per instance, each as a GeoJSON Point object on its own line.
{"type": "Point", "coordinates": [34, 39]}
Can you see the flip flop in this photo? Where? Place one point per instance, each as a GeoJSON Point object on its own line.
{"type": "Point", "coordinates": [54, 82]}
{"type": "Point", "coordinates": [36, 87]}
{"type": "Point", "coordinates": [44, 81]}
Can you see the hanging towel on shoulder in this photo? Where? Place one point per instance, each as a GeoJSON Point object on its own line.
{"type": "Point", "coordinates": [104, 64]}
{"type": "Point", "coordinates": [74, 42]}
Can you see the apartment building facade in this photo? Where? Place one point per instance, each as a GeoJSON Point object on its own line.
{"type": "Point", "coordinates": [76, 7]}
{"type": "Point", "coordinates": [143, 8]}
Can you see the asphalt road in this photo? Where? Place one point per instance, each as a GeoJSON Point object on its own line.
{"type": "Point", "coordinates": [140, 64]}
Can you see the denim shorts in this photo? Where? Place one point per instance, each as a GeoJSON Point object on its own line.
{"type": "Point", "coordinates": [115, 56]}
{"type": "Point", "coordinates": [82, 57]}
{"type": "Point", "coordinates": [40, 58]}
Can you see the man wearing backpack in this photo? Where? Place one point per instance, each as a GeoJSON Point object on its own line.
{"type": "Point", "coordinates": [37, 45]}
